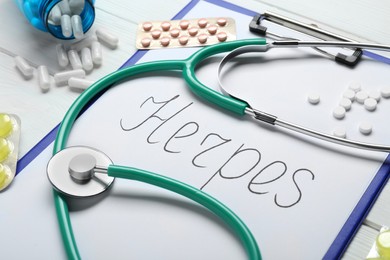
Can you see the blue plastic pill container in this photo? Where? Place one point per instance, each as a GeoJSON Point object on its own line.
{"type": "Point", "coordinates": [37, 13]}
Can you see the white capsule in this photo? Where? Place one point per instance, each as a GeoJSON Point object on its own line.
{"type": "Point", "coordinates": [86, 42]}
{"type": "Point", "coordinates": [24, 67]}
{"type": "Point", "coordinates": [63, 77]}
{"type": "Point", "coordinates": [76, 6]}
{"type": "Point", "coordinates": [340, 132]}
{"type": "Point", "coordinates": [385, 92]}
{"type": "Point", "coordinates": [107, 38]}
{"type": "Point", "coordinates": [313, 98]}
{"type": "Point", "coordinates": [375, 94]}
{"type": "Point", "coordinates": [43, 78]}
{"type": "Point", "coordinates": [74, 60]}
{"type": "Point", "coordinates": [86, 59]}
{"type": "Point", "coordinates": [77, 26]}
{"type": "Point", "coordinates": [64, 7]}
{"type": "Point", "coordinates": [361, 96]}
{"type": "Point", "coordinates": [370, 104]}
{"type": "Point", "coordinates": [97, 55]}
{"type": "Point", "coordinates": [346, 103]}
{"type": "Point", "coordinates": [62, 57]}
{"type": "Point", "coordinates": [355, 86]}
{"type": "Point", "coordinates": [339, 112]}
{"type": "Point", "coordinates": [78, 84]}
{"type": "Point", "coordinates": [350, 94]}
{"type": "Point", "coordinates": [55, 15]}
{"type": "Point", "coordinates": [365, 128]}
{"type": "Point", "coordinates": [66, 26]}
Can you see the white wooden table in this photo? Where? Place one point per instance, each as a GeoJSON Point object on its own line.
{"type": "Point", "coordinates": [40, 113]}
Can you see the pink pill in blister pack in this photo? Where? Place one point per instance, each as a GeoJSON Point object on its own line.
{"type": "Point", "coordinates": [185, 33]}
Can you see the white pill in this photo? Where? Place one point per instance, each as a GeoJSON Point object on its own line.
{"type": "Point", "coordinates": [346, 103]}
{"type": "Point", "coordinates": [24, 67]}
{"type": "Point", "coordinates": [350, 94]}
{"type": "Point", "coordinates": [107, 38]}
{"type": "Point", "coordinates": [339, 112]}
{"type": "Point", "coordinates": [313, 98]}
{"type": "Point", "coordinates": [66, 26]}
{"type": "Point", "coordinates": [62, 57]}
{"type": "Point", "coordinates": [355, 86]}
{"type": "Point", "coordinates": [74, 59]}
{"type": "Point", "coordinates": [63, 77]}
{"type": "Point", "coordinates": [77, 27]}
{"type": "Point", "coordinates": [340, 132]}
{"type": "Point", "coordinates": [79, 84]}
{"type": "Point", "coordinates": [96, 52]}
{"type": "Point", "coordinates": [64, 7]}
{"type": "Point", "coordinates": [76, 6]}
{"type": "Point", "coordinates": [86, 42]}
{"type": "Point", "coordinates": [375, 94]}
{"type": "Point", "coordinates": [365, 128]}
{"type": "Point", "coordinates": [55, 15]}
{"type": "Point", "coordinates": [86, 59]}
{"type": "Point", "coordinates": [43, 78]}
{"type": "Point", "coordinates": [361, 96]}
{"type": "Point", "coordinates": [385, 92]}
{"type": "Point", "coordinates": [370, 104]}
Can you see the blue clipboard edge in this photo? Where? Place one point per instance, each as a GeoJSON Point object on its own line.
{"type": "Point", "coordinates": [360, 211]}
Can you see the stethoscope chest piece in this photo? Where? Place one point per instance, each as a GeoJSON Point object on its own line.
{"type": "Point", "coordinates": [73, 171]}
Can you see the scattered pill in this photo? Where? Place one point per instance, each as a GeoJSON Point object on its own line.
{"type": "Point", "coordinates": [66, 26]}
{"type": "Point", "coordinates": [79, 84]}
{"type": "Point", "coordinates": [96, 53]}
{"type": "Point", "coordinates": [64, 7]}
{"type": "Point", "coordinates": [383, 244]}
{"type": "Point", "coordinates": [221, 21]}
{"type": "Point", "coordinates": [183, 40]}
{"type": "Point", "coordinates": [385, 92]}
{"type": "Point", "coordinates": [62, 57]}
{"type": "Point", "coordinates": [165, 41]}
{"type": "Point", "coordinates": [222, 36]}
{"type": "Point", "coordinates": [340, 132]}
{"type": "Point", "coordinates": [24, 67]}
{"type": "Point", "coordinates": [147, 26]}
{"type": "Point", "coordinates": [355, 86]}
{"type": "Point", "coordinates": [375, 94]}
{"type": "Point", "coordinates": [350, 94]}
{"type": "Point", "coordinates": [313, 98]}
{"type": "Point", "coordinates": [361, 96]}
{"type": "Point", "coordinates": [5, 149]}
{"type": "Point", "coordinates": [156, 34]}
{"type": "Point", "coordinates": [6, 125]}
{"type": "Point", "coordinates": [370, 104]}
{"type": "Point", "coordinates": [63, 77]}
{"type": "Point", "coordinates": [86, 59]}
{"type": "Point", "coordinates": [212, 29]}
{"type": "Point", "coordinates": [202, 22]}
{"type": "Point", "coordinates": [77, 26]}
{"type": "Point", "coordinates": [174, 32]}
{"type": "Point", "coordinates": [165, 26]}
{"type": "Point", "coordinates": [184, 24]}
{"type": "Point", "coordinates": [55, 15]}
{"type": "Point", "coordinates": [346, 103]}
{"type": "Point", "coordinates": [202, 38]}
{"type": "Point", "coordinates": [76, 6]}
{"type": "Point", "coordinates": [74, 59]}
{"type": "Point", "coordinates": [43, 78]}
{"type": "Point", "coordinates": [339, 112]}
{"type": "Point", "coordinates": [365, 128]}
{"type": "Point", "coordinates": [86, 42]}
{"type": "Point", "coordinates": [193, 31]}
{"type": "Point", "coordinates": [146, 42]}
{"type": "Point", "coordinates": [107, 38]}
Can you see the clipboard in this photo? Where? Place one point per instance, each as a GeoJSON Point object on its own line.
{"type": "Point", "coordinates": [361, 209]}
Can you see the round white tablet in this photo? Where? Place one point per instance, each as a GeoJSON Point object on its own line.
{"type": "Point", "coordinates": [339, 132]}
{"type": "Point", "coordinates": [365, 128]}
{"type": "Point", "coordinates": [370, 104]}
{"type": "Point", "coordinates": [313, 98]}
{"type": "Point", "coordinates": [355, 86]}
{"type": "Point", "coordinates": [361, 96]}
{"type": "Point", "coordinates": [375, 94]}
{"type": "Point", "coordinates": [345, 103]}
{"type": "Point", "coordinates": [339, 112]}
{"type": "Point", "coordinates": [385, 92]}
{"type": "Point", "coordinates": [350, 94]}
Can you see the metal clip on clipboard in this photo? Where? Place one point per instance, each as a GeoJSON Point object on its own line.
{"type": "Point", "coordinates": [255, 26]}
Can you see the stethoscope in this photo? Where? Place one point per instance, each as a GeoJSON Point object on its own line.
{"type": "Point", "coordinates": [82, 171]}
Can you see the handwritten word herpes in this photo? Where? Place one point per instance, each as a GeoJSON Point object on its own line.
{"type": "Point", "coordinates": [232, 167]}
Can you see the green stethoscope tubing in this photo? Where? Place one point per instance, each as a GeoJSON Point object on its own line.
{"type": "Point", "coordinates": [188, 69]}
